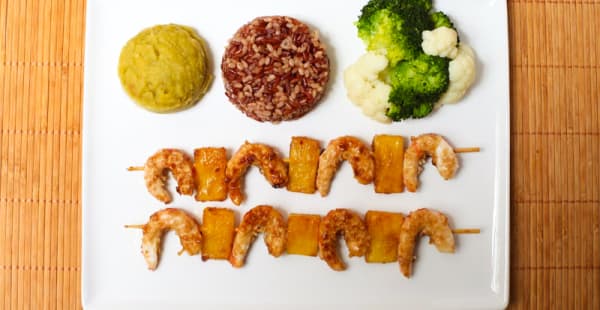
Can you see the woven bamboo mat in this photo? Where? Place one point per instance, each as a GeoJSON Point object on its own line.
{"type": "Point", "coordinates": [555, 136]}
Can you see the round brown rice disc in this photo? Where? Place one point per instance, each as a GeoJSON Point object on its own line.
{"type": "Point", "coordinates": [275, 69]}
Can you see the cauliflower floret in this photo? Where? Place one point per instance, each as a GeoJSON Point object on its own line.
{"type": "Point", "coordinates": [441, 42]}
{"type": "Point", "coordinates": [365, 89]}
{"type": "Point", "coordinates": [462, 75]}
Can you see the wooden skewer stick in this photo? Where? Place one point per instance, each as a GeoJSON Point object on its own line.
{"type": "Point", "coordinates": [466, 231]}
{"type": "Point", "coordinates": [138, 226]}
{"type": "Point", "coordinates": [467, 150]}
{"type": "Point", "coordinates": [455, 231]}
{"type": "Point", "coordinates": [287, 160]}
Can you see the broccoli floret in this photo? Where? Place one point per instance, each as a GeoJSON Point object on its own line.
{"type": "Point", "coordinates": [405, 106]}
{"type": "Point", "coordinates": [427, 76]}
{"type": "Point", "coordinates": [394, 26]}
{"type": "Point", "coordinates": [425, 4]}
{"type": "Point", "coordinates": [376, 5]}
{"type": "Point", "coordinates": [416, 85]}
{"type": "Point", "coordinates": [440, 19]}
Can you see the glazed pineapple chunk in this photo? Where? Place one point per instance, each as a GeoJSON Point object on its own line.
{"type": "Point", "coordinates": [389, 163]}
{"type": "Point", "coordinates": [210, 164]}
{"type": "Point", "coordinates": [384, 228]}
{"type": "Point", "coordinates": [218, 228]}
{"type": "Point", "coordinates": [303, 164]}
{"type": "Point", "coordinates": [302, 234]}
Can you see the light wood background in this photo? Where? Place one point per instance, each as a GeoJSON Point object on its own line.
{"type": "Point", "coordinates": [555, 136]}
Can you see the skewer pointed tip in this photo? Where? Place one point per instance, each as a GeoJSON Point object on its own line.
{"type": "Point", "coordinates": [137, 226]}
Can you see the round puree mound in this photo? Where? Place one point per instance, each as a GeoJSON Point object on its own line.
{"type": "Point", "coordinates": [165, 68]}
{"type": "Point", "coordinates": [275, 69]}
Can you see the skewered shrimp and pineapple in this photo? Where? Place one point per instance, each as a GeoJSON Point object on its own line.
{"type": "Point", "coordinates": [382, 237]}
{"type": "Point", "coordinates": [214, 177]}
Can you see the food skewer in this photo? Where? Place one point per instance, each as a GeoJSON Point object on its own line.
{"type": "Point", "coordinates": [456, 231]}
{"type": "Point", "coordinates": [362, 240]}
{"type": "Point", "coordinates": [384, 163]}
{"type": "Point", "coordinates": [457, 150]}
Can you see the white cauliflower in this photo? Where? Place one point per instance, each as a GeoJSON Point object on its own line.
{"type": "Point", "coordinates": [365, 89]}
{"type": "Point", "coordinates": [462, 75]}
{"type": "Point", "coordinates": [441, 42]}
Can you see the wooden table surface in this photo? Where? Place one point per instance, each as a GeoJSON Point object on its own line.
{"type": "Point", "coordinates": [555, 137]}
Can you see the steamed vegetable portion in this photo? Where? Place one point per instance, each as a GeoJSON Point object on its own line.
{"type": "Point", "coordinates": [420, 46]}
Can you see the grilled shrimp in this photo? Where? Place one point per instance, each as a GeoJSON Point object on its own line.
{"type": "Point", "coordinates": [271, 165]}
{"type": "Point", "coordinates": [355, 233]}
{"type": "Point", "coordinates": [155, 175]}
{"type": "Point", "coordinates": [442, 156]}
{"type": "Point", "coordinates": [428, 222]}
{"type": "Point", "coordinates": [184, 225]}
{"type": "Point", "coordinates": [345, 148]}
{"type": "Point", "coordinates": [259, 219]}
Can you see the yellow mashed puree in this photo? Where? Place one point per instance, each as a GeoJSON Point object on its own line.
{"type": "Point", "coordinates": [165, 68]}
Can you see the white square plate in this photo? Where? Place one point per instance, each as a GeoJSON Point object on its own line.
{"type": "Point", "coordinates": [118, 134]}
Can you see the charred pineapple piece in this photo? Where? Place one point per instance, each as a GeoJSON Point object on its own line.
{"type": "Point", "coordinates": [218, 228]}
{"type": "Point", "coordinates": [389, 162]}
{"type": "Point", "coordinates": [302, 234]}
{"type": "Point", "coordinates": [303, 164]}
{"type": "Point", "coordinates": [210, 164]}
{"type": "Point", "coordinates": [384, 228]}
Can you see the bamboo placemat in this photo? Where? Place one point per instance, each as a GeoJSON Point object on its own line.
{"type": "Point", "coordinates": [555, 136]}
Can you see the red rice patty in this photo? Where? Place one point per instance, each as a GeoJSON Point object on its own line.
{"type": "Point", "coordinates": [275, 69]}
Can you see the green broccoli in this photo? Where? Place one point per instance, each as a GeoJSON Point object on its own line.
{"type": "Point", "coordinates": [395, 26]}
{"type": "Point", "coordinates": [425, 4]}
{"type": "Point", "coordinates": [416, 85]}
{"type": "Point", "coordinates": [440, 19]}
{"type": "Point", "coordinates": [405, 107]}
